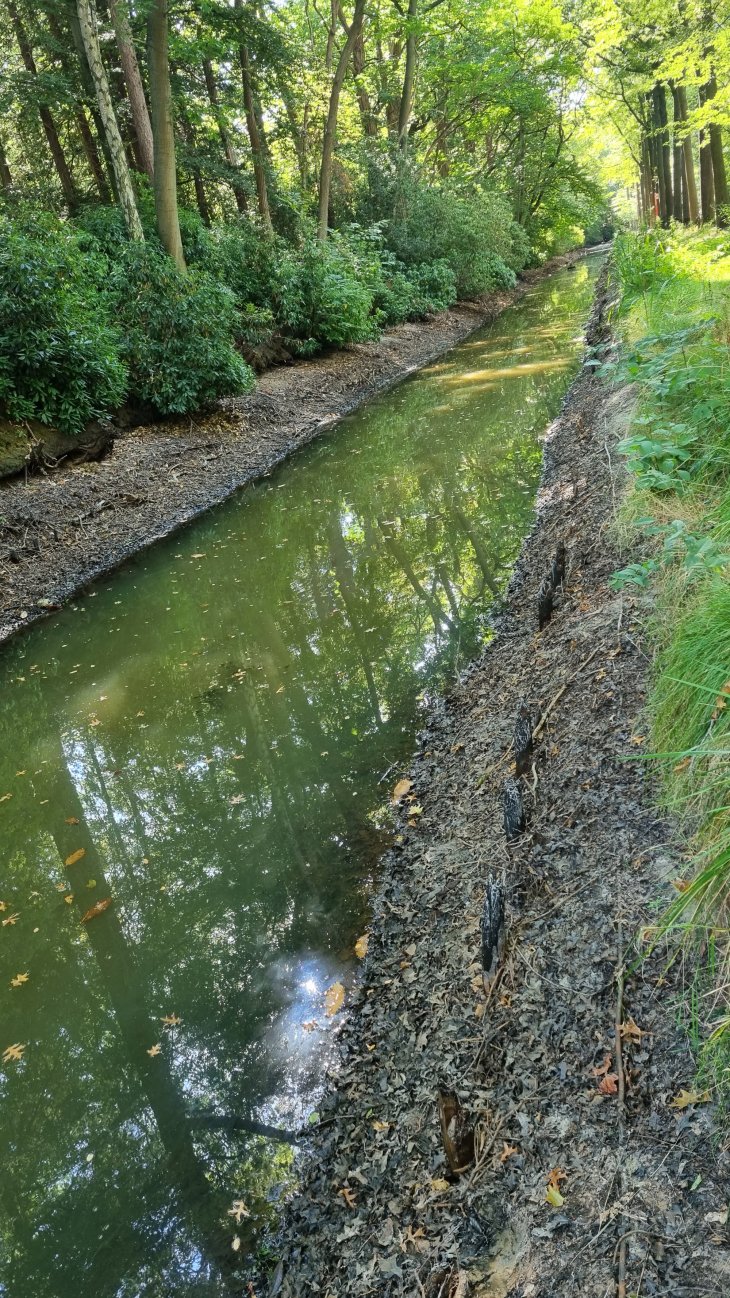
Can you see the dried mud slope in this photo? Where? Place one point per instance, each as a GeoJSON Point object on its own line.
{"type": "Point", "coordinates": [587, 1180]}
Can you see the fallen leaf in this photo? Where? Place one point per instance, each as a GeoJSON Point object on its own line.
{"type": "Point", "coordinates": [171, 1020]}
{"type": "Point", "coordinates": [717, 1218]}
{"type": "Point", "coordinates": [631, 1031]}
{"type": "Point", "coordinates": [334, 999]}
{"type": "Point", "coordinates": [401, 789]}
{"type": "Point", "coordinates": [13, 1052]}
{"type": "Point", "coordinates": [19, 979]}
{"type": "Point", "coordinates": [361, 946]}
{"type": "Point", "coordinates": [237, 797]}
{"type": "Point", "coordinates": [6, 797]}
{"type": "Point", "coordinates": [554, 1197]}
{"type": "Point", "coordinates": [69, 898]}
{"type": "Point", "coordinates": [347, 1195]}
{"type": "Point", "coordinates": [75, 856]}
{"type": "Point", "coordinates": [608, 1085]}
{"type": "Point", "coordinates": [681, 885]}
{"type": "Point", "coordinates": [685, 1098]}
{"type": "Point", "coordinates": [638, 739]}
{"type": "Point", "coordinates": [507, 1151]}
{"type": "Point", "coordinates": [97, 909]}
{"type": "Point", "coordinates": [377, 1125]}
{"type": "Point", "coordinates": [439, 1184]}
{"type": "Point", "coordinates": [682, 766]}
{"type": "Point", "coordinates": [310, 1025]}
{"type": "Point", "coordinates": [603, 1068]}
{"type": "Point", "coordinates": [155, 1050]}
{"type": "Point", "coordinates": [239, 1211]}
{"type": "Point", "coordinates": [3, 905]}
{"type": "Point", "coordinates": [11, 919]}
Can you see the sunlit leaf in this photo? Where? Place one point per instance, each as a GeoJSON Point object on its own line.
{"type": "Point", "coordinates": [19, 979]}
{"type": "Point", "coordinates": [401, 789]}
{"type": "Point", "coordinates": [361, 946]}
{"type": "Point", "coordinates": [13, 1052]}
{"type": "Point", "coordinates": [334, 999]}
{"type": "Point", "coordinates": [156, 1049]}
{"type": "Point", "coordinates": [75, 856]}
{"type": "Point", "coordinates": [97, 909]}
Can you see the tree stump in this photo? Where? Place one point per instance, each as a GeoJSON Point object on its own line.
{"type": "Point", "coordinates": [513, 810]}
{"type": "Point", "coordinates": [557, 569]}
{"type": "Point", "coordinates": [457, 1132]}
{"type": "Point", "coordinates": [545, 598]}
{"type": "Point", "coordinates": [522, 740]}
{"type": "Point", "coordinates": [492, 932]}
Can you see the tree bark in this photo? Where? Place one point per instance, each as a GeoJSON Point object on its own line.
{"type": "Point", "coordinates": [187, 132]}
{"type": "Point", "coordinates": [409, 76]}
{"type": "Point", "coordinates": [239, 192]}
{"type": "Point", "coordinates": [92, 155]}
{"type": "Point", "coordinates": [330, 130]}
{"type": "Point", "coordinates": [45, 114]}
{"type": "Point", "coordinates": [367, 116]}
{"type": "Point", "coordinates": [680, 202]}
{"type": "Point", "coordinates": [254, 135]}
{"type": "Point", "coordinates": [133, 83]}
{"type": "Point", "coordinates": [127, 200]}
{"type": "Point", "coordinates": [88, 141]}
{"type": "Point", "coordinates": [707, 180]}
{"type": "Point", "coordinates": [719, 173]}
{"type": "Point", "coordinates": [690, 182]}
{"type": "Point", "coordinates": [6, 179]}
{"type": "Point", "coordinates": [664, 165]}
{"type": "Point", "coordinates": [163, 134]}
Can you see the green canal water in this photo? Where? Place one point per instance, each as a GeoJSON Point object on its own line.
{"type": "Point", "coordinates": [202, 747]}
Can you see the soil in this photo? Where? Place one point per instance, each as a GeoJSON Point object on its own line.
{"type": "Point", "coordinates": [592, 1175]}
{"type": "Point", "coordinates": [70, 521]}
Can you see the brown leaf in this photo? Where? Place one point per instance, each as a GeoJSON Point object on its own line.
{"type": "Point", "coordinates": [399, 792]}
{"type": "Point", "coordinates": [75, 856]}
{"type": "Point", "coordinates": [631, 1031]}
{"type": "Point", "coordinates": [97, 909]}
{"type": "Point", "coordinates": [11, 919]}
{"type": "Point", "coordinates": [507, 1151]}
{"type": "Point", "coordinates": [361, 946]}
{"type": "Point", "coordinates": [156, 1049]}
{"type": "Point", "coordinates": [608, 1085]}
{"type": "Point", "coordinates": [334, 999]}
{"type": "Point", "coordinates": [13, 1052]}
{"type": "Point", "coordinates": [602, 1068]}
{"type": "Point", "coordinates": [685, 1098]}
{"type": "Point", "coordinates": [171, 1021]}
{"type": "Point", "coordinates": [347, 1195]}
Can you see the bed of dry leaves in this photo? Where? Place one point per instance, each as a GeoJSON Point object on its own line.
{"type": "Point", "coordinates": [571, 1183]}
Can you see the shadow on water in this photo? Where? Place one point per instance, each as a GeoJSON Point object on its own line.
{"type": "Point", "coordinates": [208, 739]}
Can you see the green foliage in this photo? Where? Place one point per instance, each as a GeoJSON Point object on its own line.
{"type": "Point", "coordinates": [59, 356]}
{"type": "Point", "coordinates": [177, 332]}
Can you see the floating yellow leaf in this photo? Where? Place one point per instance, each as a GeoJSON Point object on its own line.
{"type": "Point", "coordinates": [3, 905]}
{"type": "Point", "coordinates": [334, 999]}
{"type": "Point", "coordinates": [239, 1211]}
{"type": "Point", "coordinates": [236, 1243]}
{"type": "Point", "coordinates": [361, 946]}
{"type": "Point", "coordinates": [69, 898]}
{"type": "Point", "coordinates": [72, 820]}
{"type": "Point", "coordinates": [6, 797]}
{"type": "Point", "coordinates": [11, 919]}
{"type": "Point", "coordinates": [13, 1052]}
{"type": "Point", "coordinates": [18, 980]}
{"type": "Point", "coordinates": [685, 1098]}
{"type": "Point", "coordinates": [75, 856]}
{"type": "Point", "coordinates": [401, 789]}
{"type": "Point", "coordinates": [171, 1020]}
{"type": "Point", "coordinates": [156, 1049]}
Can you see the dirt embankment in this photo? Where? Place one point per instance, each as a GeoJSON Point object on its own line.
{"type": "Point", "coordinates": [594, 1174]}
{"type": "Point", "coordinates": [64, 526]}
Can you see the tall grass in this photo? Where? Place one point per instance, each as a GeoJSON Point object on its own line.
{"type": "Point", "coordinates": [674, 328]}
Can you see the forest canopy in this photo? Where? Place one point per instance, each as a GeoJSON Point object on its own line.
{"type": "Point", "coordinates": [193, 189]}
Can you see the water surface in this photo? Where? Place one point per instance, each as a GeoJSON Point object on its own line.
{"type": "Point", "coordinates": [209, 739]}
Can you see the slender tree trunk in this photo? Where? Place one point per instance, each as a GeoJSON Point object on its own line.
{"type": "Point", "coordinates": [133, 83]}
{"type": "Point", "coordinates": [707, 180]}
{"type": "Point", "coordinates": [47, 121]}
{"type": "Point", "coordinates": [680, 202]}
{"type": "Point", "coordinates": [367, 116]}
{"type": "Point", "coordinates": [6, 179]}
{"type": "Point", "coordinates": [664, 164]}
{"type": "Point", "coordinates": [188, 134]}
{"type": "Point", "coordinates": [255, 138]}
{"type": "Point", "coordinates": [239, 192]}
{"type": "Point", "coordinates": [719, 173]}
{"type": "Point", "coordinates": [87, 23]}
{"type": "Point", "coordinates": [163, 133]}
{"type": "Point", "coordinates": [409, 76]}
{"type": "Point", "coordinates": [646, 181]}
{"type": "Point", "coordinates": [87, 82]}
{"type": "Point", "coordinates": [88, 141]}
{"type": "Point", "coordinates": [92, 155]}
{"type": "Point", "coordinates": [330, 130]}
{"type": "Point", "coordinates": [690, 184]}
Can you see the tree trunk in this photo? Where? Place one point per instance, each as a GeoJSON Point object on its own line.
{"type": "Point", "coordinates": [6, 179]}
{"type": "Point", "coordinates": [409, 77]}
{"type": "Point", "coordinates": [254, 135]}
{"type": "Point", "coordinates": [367, 116]}
{"type": "Point", "coordinates": [133, 83]}
{"type": "Point", "coordinates": [707, 180]}
{"type": "Point", "coordinates": [228, 149]}
{"type": "Point", "coordinates": [163, 134]}
{"type": "Point", "coordinates": [87, 23]}
{"type": "Point", "coordinates": [92, 155]}
{"type": "Point", "coordinates": [187, 132]}
{"type": "Point", "coordinates": [664, 165]}
{"type": "Point", "coordinates": [680, 202]}
{"type": "Point", "coordinates": [47, 121]}
{"type": "Point", "coordinates": [87, 82]}
{"type": "Point", "coordinates": [646, 182]}
{"type": "Point", "coordinates": [719, 173]}
{"type": "Point", "coordinates": [690, 183]}
{"type": "Point", "coordinates": [88, 141]}
{"type": "Point", "coordinates": [330, 130]}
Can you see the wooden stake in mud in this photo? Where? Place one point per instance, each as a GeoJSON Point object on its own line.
{"type": "Point", "coordinates": [557, 570]}
{"type": "Point", "coordinates": [545, 597]}
{"type": "Point", "coordinates": [513, 810]}
{"type": "Point", "coordinates": [522, 741]}
{"type": "Point", "coordinates": [457, 1132]}
{"type": "Point", "coordinates": [493, 932]}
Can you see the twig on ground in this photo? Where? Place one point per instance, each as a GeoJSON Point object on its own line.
{"type": "Point", "coordinates": [621, 1098]}
{"type": "Point", "coordinates": [557, 697]}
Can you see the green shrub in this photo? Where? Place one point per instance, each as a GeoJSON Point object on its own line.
{"type": "Point", "coordinates": [59, 356]}
{"type": "Point", "coordinates": [321, 297]}
{"type": "Point", "coordinates": [177, 332]}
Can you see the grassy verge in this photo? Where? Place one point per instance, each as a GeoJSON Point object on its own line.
{"type": "Point", "coordinates": [673, 322]}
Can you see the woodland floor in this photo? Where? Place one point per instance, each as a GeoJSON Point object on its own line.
{"type": "Point", "coordinates": [536, 1066]}
{"type": "Point", "coordinates": [62, 527]}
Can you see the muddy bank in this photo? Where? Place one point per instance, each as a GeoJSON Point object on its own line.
{"type": "Point", "coordinates": [64, 526]}
{"type": "Point", "coordinates": [592, 1173]}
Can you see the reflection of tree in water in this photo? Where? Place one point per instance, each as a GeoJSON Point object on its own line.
{"type": "Point", "coordinates": [228, 799]}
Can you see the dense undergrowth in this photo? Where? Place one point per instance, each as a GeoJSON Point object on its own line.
{"type": "Point", "coordinates": [88, 318]}
{"type": "Point", "coordinates": [674, 324]}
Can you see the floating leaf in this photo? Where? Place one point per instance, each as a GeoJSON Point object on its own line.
{"type": "Point", "coordinates": [171, 1020]}
{"type": "Point", "coordinates": [19, 979]}
{"type": "Point", "coordinates": [98, 908]}
{"type": "Point", "coordinates": [11, 919]}
{"type": "Point", "coordinates": [13, 1052]}
{"type": "Point", "coordinates": [361, 946]}
{"type": "Point", "coordinates": [334, 999]}
{"type": "Point", "coordinates": [239, 1211]}
{"type": "Point", "coordinates": [69, 898]}
{"type": "Point", "coordinates": [236, 1243]}
{"type": "Point", "coordinates": [401, 789]}
{"type": "Point", "coordinates": [72, 820]}
{"type": "Point", "coordinates": [156, 1049]}
{"type": "Point", "coordinates": [6, 797]}
{"type": "Point", "coordinates": [75, 856]}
